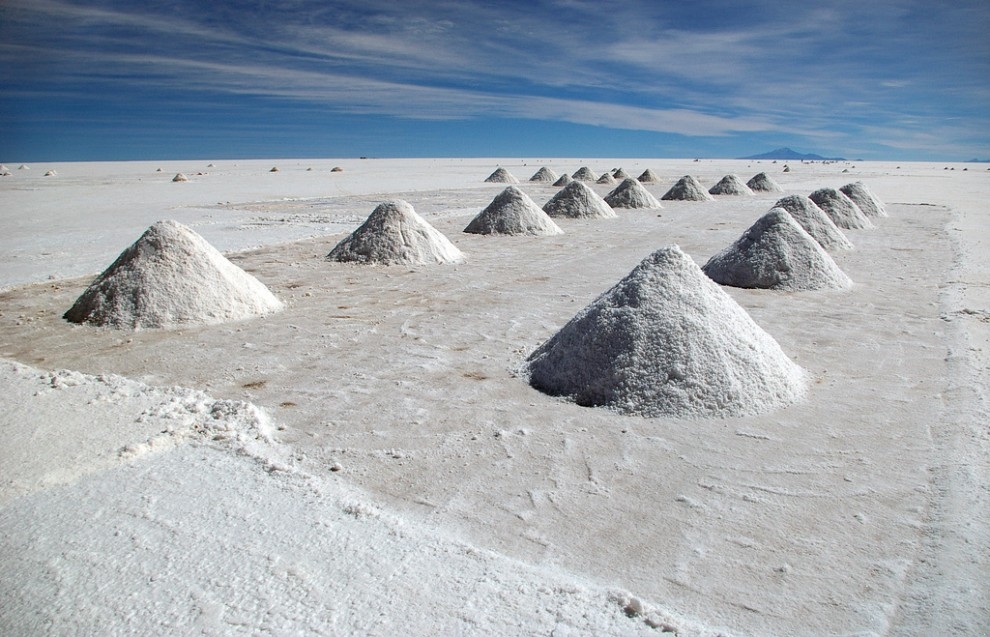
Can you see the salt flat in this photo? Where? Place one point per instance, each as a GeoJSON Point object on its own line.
{"type": "Point", "coordinates": [386, 408]}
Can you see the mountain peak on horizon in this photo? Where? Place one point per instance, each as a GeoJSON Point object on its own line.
{"type": "Point", "coordinates": [787, 153]}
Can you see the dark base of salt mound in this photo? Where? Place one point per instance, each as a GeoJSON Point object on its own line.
{"type": "Point", "coordinates": [512, 212]}
{"type": "Point", "coordinates": [775, 253]}
{"type": "Point", "coordinates": [394, 234]}
{"type": "Point", "coordinates": [667, 341]}
{"type": "Point", "coordinates": [171, 277]}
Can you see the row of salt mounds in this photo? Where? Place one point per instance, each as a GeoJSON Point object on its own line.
{"type": "Point", "coordinates": [171, 277]}
{"type": "Point", "coordinates": [577, 201]}
{"type": "Point", "coordinates": [776, 253]}
{"type": "Point", "coordinates": [762, 182]}
{"type": "Point", "coordinates": [687, 188]}
{"type": "Point", "coordinates": [513, 212]}
{"type": "Point", "coordinates": [501, 176]}
{"type": "Point", "coordinates": [863, 197]}
{"type": "Point", "coordinates": [631, 194]}
{"type": "Point", "coordinates": [815, 222]}
{"type": "Point", "coordinates": [667, 341]}
{"type": "Point", "coordinates": [584, 174]}
{"type": "Point", "coordinates": [544, 176]}
{"type": "Point", "coordinates": [730, 185]}
{"type": "Point", "coordinates": [394, 234]}
{"type": "Point", "coordinates": [840, 209]}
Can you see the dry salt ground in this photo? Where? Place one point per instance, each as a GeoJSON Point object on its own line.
{"type": "Point", "coordinates": [369, 460]}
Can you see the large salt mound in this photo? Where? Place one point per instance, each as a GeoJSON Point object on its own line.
{"type": "Point", "coordinates": [730, 185]}
{"type": "Point", "coordinates": [394, 234]}
{"type": "Point", "coordinates": [815, 222]}
{"type": "Point", "coordinates": [865, 199]}
{"type": "Point", "coordinates": [667, 341]}
{"type": "Point", "coordinates": [840, 209]}
{"type": "Point", "coordinates": [544, 175]}
{"type": "Point", "coordinates": [776, 253]}
{"type": "Point", "coordinates": [584, 174]}
{"type": "Point", "coordinates": [577, 201]}
{"type": "Point", "coordinates": [501, 176]}
{"type": "Point", "coordinates": [762, 182]}
{"type": "Point", "coordinates": [687, 188]}
{"type": "Point", "coordinates": [171, 277]}
{"type": "Point", "coordinates": [631, 194]}
{"type": "Point", "coordinates": [648, 177]}
{"type": "Point", "coordinates": [513, 212]}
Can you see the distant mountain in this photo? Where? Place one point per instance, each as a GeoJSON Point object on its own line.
{"type": "Point", "coordinates": [787, 153]}
{"type": "Point", "coordinates": [978, 161]}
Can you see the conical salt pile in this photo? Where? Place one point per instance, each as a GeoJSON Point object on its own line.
{"type": "Point", "coordinates": [840, 209]}
{"type": "Point", "coordinates": [631, 194]}
{"type": "Point", "coordinates": [544, 175]}
{"type": "Point", "coordinates": [180, 177]}
{"type": "Point", "coordinates": [577, 201]}
{"type": "Point", "coordinates": [865, 199]}
{"type": "Point", "coordinates": [775, 253]}
{"type": "Point", "coordinates": [606, 179]}
{"type": "Point", "coordinates": [667, 341]}
{"type": "Point", "coordinates": [687, 188]}
{"type": "Point", "coordinates": [815, 222]}
{"type": "Point", "coordinates": [563, 181]}
{"type": "Point", "coordinates": [648, 177]}
{"type": "Point", "coordinates": [618, 173]}
{"type": "Point", "coordinates": [501, 176]}
{"type": "Point", "coordinates": [513, 212]}
{"type": "Point", "coordinates": [730, 185]}
{"type": "Point", "coordinates": [394, 234]}
{"type": "Point", "coordinates": [168, 278]}
{"type": "Point", "coordinates": [584, 174]}
{"type": "Point", "coordinates": [762, 182]}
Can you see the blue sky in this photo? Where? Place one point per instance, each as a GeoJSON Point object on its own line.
{"type": "Point", "coordinates": [117, 80]}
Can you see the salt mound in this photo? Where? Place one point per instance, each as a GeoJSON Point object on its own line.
{"type": "Point", "coordinates": [631, 194]}
{"type": "Point", "coordinates": [865, 199]}
{"type": "Point", "coordinates": [840, 209]}
{"type": "Point", "coordinates": [336, 169]}
{"type": "Point", "coordinates": [544, 175]}
{"type": "Point", "coordinates": [563, 181]}
{"type": "Point", "coordinates": [394, 234]}
{"type": "Point", "coordinates": [274, 169]}
{"type": "Point", "coordinates": [815, 222]}
{"type": "Point", "coordinates": [584, 174]}
{"type": "Point", "coordinates": [606, 179]}
{"type": "Point", "coordinates": [180, 177]}
{"type": "Point", "coordinates": [730, 185]}
{"type": "Point", "coordinates": [687, 188]}
{"type": "Point", "coordinates": [168, 278]}
{"type": "Point", "coordinates": [775, 253]}
{"type": "Point", "coordinates": [577, 201]}
{"type": "Point", "coordinates": [501, 176]}
{"type": "Point", "coordinates": [762, 182]}
{"type": "Point", "coordinates": [513, 212]}
{"type": "Point", "coordinates": [51, 173]}
{"type": "Point", "coordinates": [648, 177]}
{"type": "Point", "coordinates": [667, 341]}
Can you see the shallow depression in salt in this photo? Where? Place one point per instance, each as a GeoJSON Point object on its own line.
{"type": "Point", "coordinates": [372, 457]}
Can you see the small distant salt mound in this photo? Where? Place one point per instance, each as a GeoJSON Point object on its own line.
{"type": "Point", "coordinates": [648, 177]}
{"type": "Point", "coordinates": [730, 185]}
{"type": "Point", "coordinates": [50, 173]}
{"type": "Point", "coordinates": [687, 188]}
{"type": "Point", "coordinates": [631, 194]}
{"type": "Point", "coordinates": [584, 174]}
{"type": "Point", "coordinates": [274, 169]}
{"type": "Point", "coordinates": [840, 209]}
{"type": "Point", "coordinates": [618, 173]}
{"type": "Point", "coordinates": [501, 176]}
{"type": "Point", "coordinates": [180, 177]}
{"type": "Point", "coordinates": [211, 165]}
{"type": "Point", "coordinates": [544, 176]}
{"type": "Point", "coordinates": [336, 169]}
{"type": "Point", "coordinates": [394, 234]}
{"type": "Point", "coordinates": [577, 201]}
{"type": "Point", "coordinates": [513, 212]}
{"type": "Point", "coordinates": [159, 170]}
{"type": "Point", "coordinates": [3, 167]}
{"type": "Point", "coordinates": [667, 341]}
{"type": "Point", "coordinates": [23, 167]}
{"type": "Point", "coordinates": [606, 179]}
{"type": "Point", "coordinates": [563, 181]}
{"type": "Point", "coordinates": [168, 278]}
{"type": "Point", "coordinates": [762, 182]}
{"type": "Point", "coordinates": [815, 222]}
{"type": "Point", "coordinates": [865, 199]}
{"type": "Point", "coordinates": [775, 253]}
